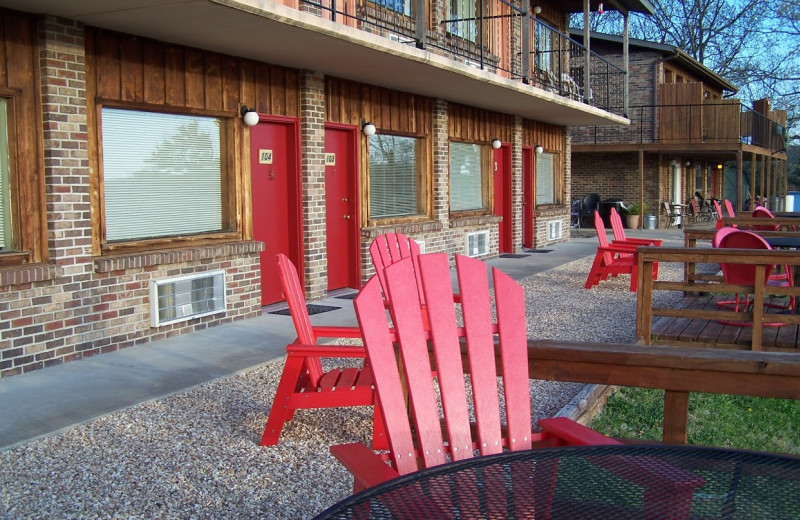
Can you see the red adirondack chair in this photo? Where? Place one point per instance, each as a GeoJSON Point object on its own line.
{"type": "Point", "coordinates": [729, 208]}
{"type": "Point", "coordinates": [422, 436]}
{"type": "Point", "coordinates": [718, 209]}
{"type": "Point", "coordinates": [389, 248]}
{"type": "Point", "coordinates": [304, 384]}
{"type": "Point", "coordinates": [611, 259]}
{"type": "Point", "coordinates": [413, 374]}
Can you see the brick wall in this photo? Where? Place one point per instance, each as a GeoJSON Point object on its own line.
{"type": "Point", "coordinates": [75, 305]}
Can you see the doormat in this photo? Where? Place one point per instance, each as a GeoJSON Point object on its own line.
{"type": "Point", "coordinates": [539, 250]}
{"type": "Point", "coordinates": [312, 309]}
{"type": "Point", "coordinates": [510, 255]}
{"type": "Point", "coordinates": [349, 296]}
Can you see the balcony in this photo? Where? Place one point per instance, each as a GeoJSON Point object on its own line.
{"type": "Point", "coordinates": [715, 125]}
{"type": "Point", "coordinates": [502, 39]}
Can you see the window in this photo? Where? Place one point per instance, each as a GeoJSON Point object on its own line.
{"type": "Point", "coordinates": [398, 6]}
{"type": "Point", "coordinates": [546, 179]}
{"type": "Point", "coordinates": [395, 178]}
{"type": "Point", "coordinates": [163, 174]}
{"type": "Point", "coordinates": [6, 231]}
{"type": "Point", "coordinates": [467, 169]}
{"type": "Point", "coordinates": [462, 16]}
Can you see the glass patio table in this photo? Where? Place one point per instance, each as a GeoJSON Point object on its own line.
{"type": "Point", "coordinates": [591, 482]}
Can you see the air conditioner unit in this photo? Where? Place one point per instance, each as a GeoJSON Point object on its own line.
{"type": "Point", "coordinates": [477, 244]}
{"type": "Point", "coordinates": [182, 298]}
{"type": "Point", "coordinates": [554, 230]}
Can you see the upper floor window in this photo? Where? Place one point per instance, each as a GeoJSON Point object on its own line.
{"type": "Point", "coordinates": [398, 6]}
{"type": "Point", "coordinates": [548, 181]}
{"type": "Point", "coordinates": [462, 16]}
{"type": "Point", "coordinates": [468, 177]}
{"type": "Point", "coordinates": [396, 185]}
{"type": "Point", "coordinates": [163, 175]}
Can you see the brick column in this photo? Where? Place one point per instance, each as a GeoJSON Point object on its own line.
{"type": "Point", "coordinates": [516, 184]}
{"type": "Point", "coordinates": [66, 158]}
{"type": "Point", "coordinates": [312, 146]}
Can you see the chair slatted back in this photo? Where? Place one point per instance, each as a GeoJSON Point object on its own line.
{"type": "Point", "coordinates": [600, 228]}
{"type": "Point", "coordinates": [390, 248]}
{"type": "Point", "coordinates": [729, 208]}
{"type": "Point", "coordinates": [295, 297]}
{"type": "Point", "coordinates": [445, 336]}
{"type": "Point", "coordinates": [616, 225]}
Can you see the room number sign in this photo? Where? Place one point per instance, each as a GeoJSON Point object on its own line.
{"type": "Point", "coordinates": [264, 156]}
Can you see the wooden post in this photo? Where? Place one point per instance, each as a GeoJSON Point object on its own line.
{"type": "Point", "coordinates": [676, 417]}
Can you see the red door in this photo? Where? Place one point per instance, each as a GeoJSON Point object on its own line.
{"type": "Point", "coordinates": [502, 203]}
{"type": "Point", "coordinates": [340, 206]}
{"type": "Point", "coordinates": [275, 178]}
{"type": "Point", "coordinates": [528, 201]}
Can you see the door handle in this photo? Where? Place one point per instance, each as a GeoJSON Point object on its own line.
{"type": "Point", "coordinates": [346, 217]}
{"type": "Point", "coordinates": [344, 199]}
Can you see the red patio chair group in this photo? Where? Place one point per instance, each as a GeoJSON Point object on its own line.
{"type": "Point", "coordinates": [613, 259]}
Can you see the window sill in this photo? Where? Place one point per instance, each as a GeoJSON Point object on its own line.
{"type": "Point", "coordinates": [457, 221]}
{"type": "Point", "coordinates": [28, 273]}
{"type": "Point", "coordinates": [410, 228]}
{"type": "Point", "coordinates": [175, 255]}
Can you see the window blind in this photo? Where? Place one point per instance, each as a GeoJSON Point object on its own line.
{"type": "Point", "coordinates": [6, 235]}
{"type": "Point", "coordinates": [545, 179]}
{"type": "Point", "coordinates": [392, 176]}
{"type": "Point", "coordinates": [162, 174]}
{"type": "Point", "coordinates": [466, 192]}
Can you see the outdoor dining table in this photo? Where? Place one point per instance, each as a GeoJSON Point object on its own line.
{"type": "Point", "coordinates": [590, 482]}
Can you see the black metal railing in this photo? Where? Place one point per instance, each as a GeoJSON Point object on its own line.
{"type": "Point", "coordinates": [722, 123]}
{"type": "Point", "coordinates": [492, 35]}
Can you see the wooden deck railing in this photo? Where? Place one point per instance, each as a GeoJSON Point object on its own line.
{"type": "Point", "coordinates": [647, 311]}
{"type": "Point", "coordinates": [677, 370]}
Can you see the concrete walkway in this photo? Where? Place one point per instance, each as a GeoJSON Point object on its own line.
{"type": "Point", "coordinates": [46, 401]}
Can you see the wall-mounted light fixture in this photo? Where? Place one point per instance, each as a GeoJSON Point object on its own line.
{"type": "Point", "coordinates": [368, 128]}
{"type": "Point", "coordinates": [688, 162]}
{"type": "Point", "coordinates": [496, 143]}
{"type": "Point", "coordinates": [719, 166]}
{"type": "Point", "coordinates": [537, 9]}
{"type": "Point", "coordinates": [539, 149]}
{"type": "Point", "coordinates": [249, 116]}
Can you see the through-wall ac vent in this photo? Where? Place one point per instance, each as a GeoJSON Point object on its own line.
{"type": "Point", "coordinates": [477, 243]}
{"type": "Point", "coordinates": [554, 230]}
{"type": "Point", "coordinates": [185, 297]}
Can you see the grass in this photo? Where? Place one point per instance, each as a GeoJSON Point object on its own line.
{"type": "Point", "coordinates": [729, 421]}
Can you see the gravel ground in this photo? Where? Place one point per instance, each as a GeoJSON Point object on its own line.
{"type": "Point", "coordinates": [196, 454]}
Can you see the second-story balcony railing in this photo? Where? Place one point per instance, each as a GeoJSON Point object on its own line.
{"type": "Point", "coordinates": [724, 122]}
{"type": "Point", "coordinates": [493, 35]}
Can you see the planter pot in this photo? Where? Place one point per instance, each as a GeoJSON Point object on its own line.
{"type": "Point", "coordinates": [632, 221]}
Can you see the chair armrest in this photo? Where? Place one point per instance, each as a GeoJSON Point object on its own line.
{"type": "Point", "coordinates": [367, 467]}
{"type": "Point", "coordinates": [573, 433]}
{"type": "Point", "coordinates": [637, 242]}
{"type": "Point", "coordinates": [330, 331]}
{"type": "Point", "coordinates": [343, 351]}
{"type": "Point", "coordinates": [616, 248]}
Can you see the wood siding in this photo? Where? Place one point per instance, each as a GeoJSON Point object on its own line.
{"type": "Point", "coordinates": [19, 84]}
{"type": "Point", "coordinates": [131, 72]}
{"type": "Point", "coordinates": [474, 124]}
{"type": "Point", "coordinates": [550, 137]}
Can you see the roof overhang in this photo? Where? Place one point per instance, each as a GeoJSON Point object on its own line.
{"type": "Point", "coordinates": [272, 33]}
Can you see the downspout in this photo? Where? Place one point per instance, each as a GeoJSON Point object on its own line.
{"type": "Point", "coordinates": [625, 63]}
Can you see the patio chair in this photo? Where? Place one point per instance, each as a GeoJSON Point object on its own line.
{"type": "Point", "coordinates": [389, 248]}
{"type": "Point", "coordinates": [744, 274]}
{"type": "Point", "coordinates": [718, 210]}
{"type": "Point", "coordinates": [418, 437]}
{"type": "Point", "coordinates": [575, 213]}
{"type": "Point", "coordinates": [425, 430]}
{"type": "Point", "coordinates": [699, 213]}
{"type": "Point", "coordinates": [729, 208]}
{"type": "Point", "coordinates": [304, 384]}
{"type": "Point", "coordinates": [671, 217]}
{"type": "Point", "coordinates": [611, 259]}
